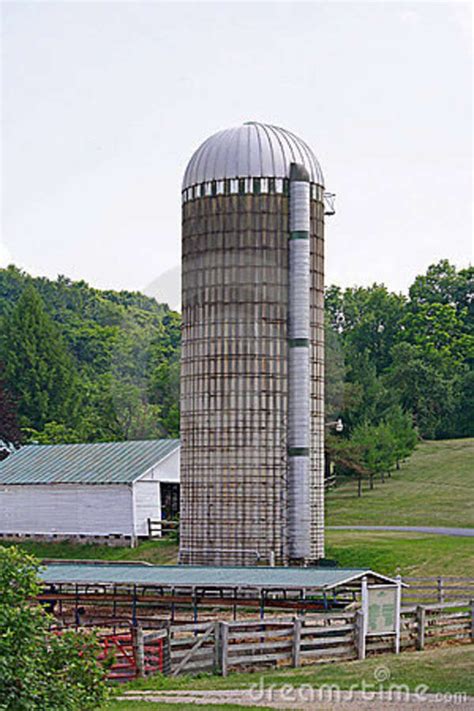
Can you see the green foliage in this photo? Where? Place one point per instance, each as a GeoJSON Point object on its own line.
{"type": "Point", "coordinates": [88, 365]}
{"type": "Point", "coordinates": [10, 434]}
{"type": "Point", "coordinates": [165, 373]}
{"type": "Point", "coordinates": [40, 670]}
{"type": "Point", "coordinates": [416, 354]}
{"type": "Point", "coordinates": [38, 368]}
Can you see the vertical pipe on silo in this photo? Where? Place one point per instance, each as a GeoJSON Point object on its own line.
{"type": "Point", "coordinates": [299, 506]}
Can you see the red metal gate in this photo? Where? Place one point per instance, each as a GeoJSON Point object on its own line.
{"type": "Point", "coordinates": [123, 652]}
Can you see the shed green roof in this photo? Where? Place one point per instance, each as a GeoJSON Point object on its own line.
{"type": "Point", "coordinates": [101, 463]}
{"type": "Point", "coordinates": [206, 576]}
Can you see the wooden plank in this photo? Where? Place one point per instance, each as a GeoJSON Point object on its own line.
{"type": "Point", "coordinates": [445, 605]}
{"type": "Point", "coordinates": [235, 649]}
{"type": "Point", "coordinates": [317, 644]}
{"type": "Point", "coordinates": [449, 616]}
{"type": "Point", "coordinates": [437, 631]}
{"type": "Point", "coordinates": [325, 631]}
{"type": "Point", "coordinates": [242, 624]}
{"type": "Point", "coordinates": [332, 651]}
{"type": "Point", "coordinates": [263, 634]}
{"type": "Point", "coordinates": [255, 659]}
{"type": "Point", "coordinates": [199, 643]}
{"type": "Point", "coordinates": [178, 656]}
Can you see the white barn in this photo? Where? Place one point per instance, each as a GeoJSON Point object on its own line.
{"type": "Point", "coordinates": [89, 491]}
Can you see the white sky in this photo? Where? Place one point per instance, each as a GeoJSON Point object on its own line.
{"type": "Point", "coordinates": [104, 103]}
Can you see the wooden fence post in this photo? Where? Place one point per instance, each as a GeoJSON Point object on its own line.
{"type": "Point", "coordinates": [359, 629]}
{"type": "Point", "coordinates": [296, 646]}
{"type": "Point", "coordinates": [224, 647]}
{"type": "Point", "coordinates": [138, 650]}
{"type": "Point", "coordinates": [472, 620]}
{"type": "Point", "coordinates": [420, 627]}
{"type": "Point", "coordinates": [440, 590]}
{"type": "Point", "coordinates": [217, 647]}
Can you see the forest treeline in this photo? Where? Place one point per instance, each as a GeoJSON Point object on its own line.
{"type": "Point", "coordinates": [80, 364]}
{"type": "Point", "coordinates": [83, 365]}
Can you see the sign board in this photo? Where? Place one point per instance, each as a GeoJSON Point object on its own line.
{"type": "Point", "coordinates": [382, 609]}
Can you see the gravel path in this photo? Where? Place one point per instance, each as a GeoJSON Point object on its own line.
{"type": "Point", "coordinates": [307, 699]}
{"type": "Point", "coordinates": [439, 530]}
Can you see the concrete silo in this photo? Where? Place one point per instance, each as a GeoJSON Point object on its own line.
{"type": "Point", "coordinates": [252, 429]}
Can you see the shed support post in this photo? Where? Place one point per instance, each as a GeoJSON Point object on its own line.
{"type": "Point", "coordinates": [420, 627]}
{"type": "Point", "coordinates": [360, 634]}
{"type": "Point", "coordinates": [296, 647]}
{"type": "Point", "coordinates": [195, 607]}
{"type": "Point", "coordinates": [134, 606]}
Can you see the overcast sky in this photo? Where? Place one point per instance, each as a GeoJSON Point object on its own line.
{"type": "Point", "coordinates": [104, 103]}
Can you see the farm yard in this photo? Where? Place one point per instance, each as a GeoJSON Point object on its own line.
{"type": "Point", "coordinates": [428, 490]}
{"type": "Point", "coordinates": [442, 667]}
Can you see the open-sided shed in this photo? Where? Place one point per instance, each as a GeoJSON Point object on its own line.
{"type": "Point", "coordinates": [141, 589]}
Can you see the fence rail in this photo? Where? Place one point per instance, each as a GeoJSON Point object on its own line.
{"type": "Point", "coordinates": [438, 589]}
{"type": "Point", "coordinates": [157, 528]}
{"type": "Point", "coordinates": [249, 645]}
{"type": "Point", "coordinates": [222, 646]}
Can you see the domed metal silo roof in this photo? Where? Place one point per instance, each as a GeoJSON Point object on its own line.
{"type": "Point", "coordinates": [253, 150]}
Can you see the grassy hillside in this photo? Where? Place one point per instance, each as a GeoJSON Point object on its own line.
{"type": "Point", "coordinates": [433, 488]}
{"type": "Point", "coordinates": [407, 553]}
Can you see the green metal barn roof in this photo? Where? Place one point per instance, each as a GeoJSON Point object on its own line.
{"type": "Point", "coordinates": [102, 463]}
{"type": "Point", "coordinates": [206, 576]}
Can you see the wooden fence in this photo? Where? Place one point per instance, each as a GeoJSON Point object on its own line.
{"type": "Point", "coordinates": [157, 528]}
{"type": "Point", "coordinates": [438, 589]}
{"type": "Point", "coordinates": [250, 645]}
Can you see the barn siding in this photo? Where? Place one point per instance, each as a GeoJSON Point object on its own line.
{"type": "Point", "coordinates": [166, 471]}
{"type": "Point", "coordinates": [147, 504]}
{"type": "Point", "coordinates": [66, 509]}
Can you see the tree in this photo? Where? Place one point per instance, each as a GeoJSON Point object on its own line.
{"type": "Point", "coordinates": [10, 434]}
{"type": "Point", "coordinates": [38, 368]}
{"type": "Point", "coordinates": [164, 377]}
{"type": "Point", "coordinates": [53, 433]}
{"type": "Point", "coordinates": [425, 384]}
{"type": "Point", "coordinates": [405, 438]}
{"type": "Point", "coordinates": [368, 318]}
{"type": "Point", "coordinates": [443, 284]}
{"type": "Point", "coordinates": [40, 670]}
{"type": "Point", "coordinates": [378, 446]}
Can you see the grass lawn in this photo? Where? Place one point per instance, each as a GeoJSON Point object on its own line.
{"type": "Point", "coordinates": [446, 669]}
{"type": "Point", "coordinates": [385, 552]}
{"type": "Point", "coordinates": [411, 553]}
{"type": "Point", "coordinates": [433, 488]}
{"type": "Point", "coordinates": [160, 552]}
